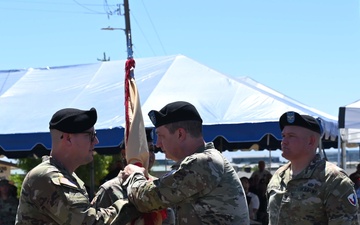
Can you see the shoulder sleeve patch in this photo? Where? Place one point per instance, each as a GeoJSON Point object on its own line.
{"type": "Point", "coordinates": [352, 199]}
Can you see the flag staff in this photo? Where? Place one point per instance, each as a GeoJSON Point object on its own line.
{"type": "Point", "coordinates": [136, 149]}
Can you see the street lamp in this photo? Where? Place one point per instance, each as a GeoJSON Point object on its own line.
{"type": "Point", "coordinates": [112, 28]}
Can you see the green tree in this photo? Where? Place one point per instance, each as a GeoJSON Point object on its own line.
{"type": "Point", "coordinates": [17, 179]}
{"type": "Point", "coordinates": [101, 164]}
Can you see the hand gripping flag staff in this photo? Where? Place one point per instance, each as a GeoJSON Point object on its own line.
{"type": "Point", "coordinates": [136, 147]}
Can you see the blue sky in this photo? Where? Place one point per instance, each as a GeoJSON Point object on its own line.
{"type": "Point", "coordinates": [308, 50]}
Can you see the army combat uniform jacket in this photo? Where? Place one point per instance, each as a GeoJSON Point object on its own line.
{"type": "Point", "coordinates": [112, 190]}
{"type": "Point", "coordinates": [320, 194]}
{"type": "Point", "coordinates": [202, 189]}
{"type": "Point", "coordinates": [50, 195]}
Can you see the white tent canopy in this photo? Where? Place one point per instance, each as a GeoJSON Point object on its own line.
{"type": "Point", "coordinates": [239, 110]}
{"type": "Point", "coordinates": [349, 123]}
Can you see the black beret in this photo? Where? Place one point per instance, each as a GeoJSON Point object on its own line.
{"type": "Point", "coordinates": [174, 112]}
{"type": "Point", "coordinates": [149, 135]}
{"type": "Point", "coordinates": [295, 119]}
{"type": "Point", "coordinates": [4, 182]}
{"type": "Point", "coordinates": [70, 120]}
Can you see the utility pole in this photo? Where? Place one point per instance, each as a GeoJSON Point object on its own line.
{"type": "Point", "coordinates": [128, 30]}
{"type": "Point", "coordinates": [104, 59]}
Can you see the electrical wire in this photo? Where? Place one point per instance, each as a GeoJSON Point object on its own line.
{"type": "Point", "coordinates": [142, 32]}
{"type": "Point", "coordinates": [85, 7]}
{"type": "Point", "coordinates": [152, 24]}
{"type": "Point", "coordinates": [42, 3]}
{"type": "Point", "coordinates": [110, 10]}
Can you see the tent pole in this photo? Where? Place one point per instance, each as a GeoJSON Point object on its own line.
{"type": "Point", "coordinates": [221, 145]}
{"type": "Point", "coordinates": [343, 155]}
{"type": "Point", "coordinates": [92, 180]}
{"type": "Point", "coordinates": [267, 144]}
{"type": "Point", "coordinates": [339, 148]}
{"type": "Point", "coordinates": [341, 151]}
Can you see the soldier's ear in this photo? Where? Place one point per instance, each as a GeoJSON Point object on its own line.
{"type": "Point", "coordinates": [66, 137]}
{"type": "Point", "coordinates": [181, 133]}
{"type": "Point", "coordinates": [313, 140]}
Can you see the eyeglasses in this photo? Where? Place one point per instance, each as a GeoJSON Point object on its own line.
{"type": "Point", "coordinates": [92, 135]}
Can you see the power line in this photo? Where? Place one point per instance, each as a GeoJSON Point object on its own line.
{"type": "Point", "coordinates": [117, 11]}
{"type": "Point", "coordinates": [152, 24]}
{"type": "Point", "coordinates": [52, 2]}
{"type": "Point", "coordinates": [85, 7]}
{"type": "Point", "coordinates": [49, 11]}
{"type": "Point", "coordinates": [14, 5]}
{"type": "Point", "coordinates": [112, 11]}
{"type": "Point", "coordinates": [142, 32]}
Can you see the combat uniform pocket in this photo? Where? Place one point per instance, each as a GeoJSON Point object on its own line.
{"type": "Point", "coordinates": [75, 196]}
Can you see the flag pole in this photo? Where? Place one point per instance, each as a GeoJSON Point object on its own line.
{"type": "Point", "coordinates": [136, 148]}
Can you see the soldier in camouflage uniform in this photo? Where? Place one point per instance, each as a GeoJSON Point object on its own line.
{"type": "Point", "coordinates": [8, 204]}
{"type": "Point", "coordinates": [112, 190]}
{"type": "Point", "coordinates": [51, 192]}
{"type": "Point", "coordinates": [308, 189]}
{"type": "Point", "coordinates": [202, 188]}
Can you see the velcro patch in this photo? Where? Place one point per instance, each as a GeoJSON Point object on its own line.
{"type": "Point", "coordinates": [352, 199]}
{"type": "Point", "coordinates": [67, 182]}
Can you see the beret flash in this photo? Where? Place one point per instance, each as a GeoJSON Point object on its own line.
{"type": "Point", "coordinates": [174, 112]}
{"type": "Point", "coordinates": [70, 120]}
{"type": "Point", "coordinates": [295, 119]}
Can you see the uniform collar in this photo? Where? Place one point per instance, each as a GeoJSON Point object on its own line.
{"type": "Point", "coordinates": [209, 145]}
{"type": "Point", "coordinates": [307, 172]}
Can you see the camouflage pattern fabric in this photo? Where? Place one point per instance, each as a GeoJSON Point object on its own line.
{"type": "Point", "coordinates": [112, 190]}
{"type": "Point", "coordinates": [8, 210]}
{"type": "Point", "coordinates": [50, 195]}
{"type": "Point", "coordinates": [202, 189]}
{"type": "Point", "coordinates": [321, 194]}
